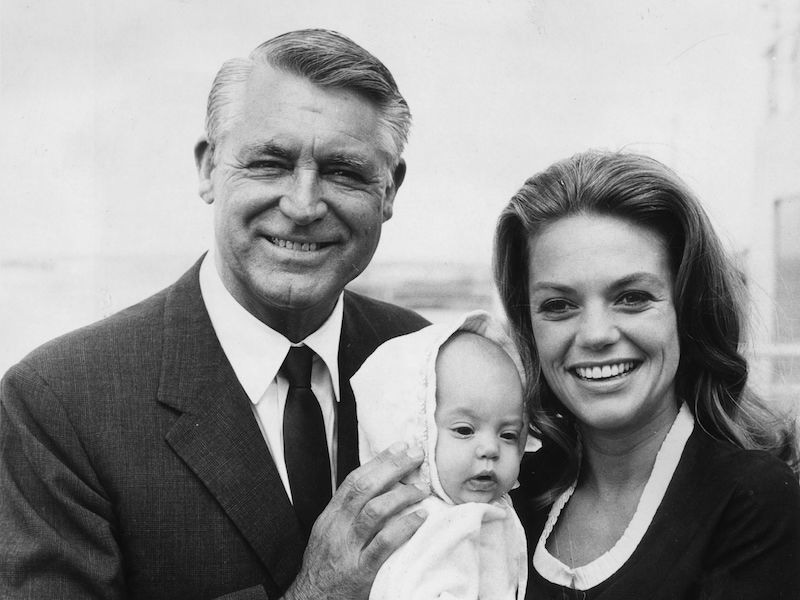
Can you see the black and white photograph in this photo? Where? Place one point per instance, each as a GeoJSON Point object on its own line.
{"type": "Point", "coordinates": [485, 300]}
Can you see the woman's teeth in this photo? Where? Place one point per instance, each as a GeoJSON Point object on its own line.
{"type": "Point", "coordinates": [605, 371]}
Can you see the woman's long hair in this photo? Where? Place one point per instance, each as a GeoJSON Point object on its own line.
{"type": "Point", "coordinates": [712, 373]}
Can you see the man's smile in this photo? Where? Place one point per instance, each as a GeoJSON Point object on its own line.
{"type": "Point", "coordinates": [298, 246]}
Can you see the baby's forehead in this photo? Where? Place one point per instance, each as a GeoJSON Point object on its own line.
{"type": "Point", "coordinates": [472, 371]}
{"type": "Point", "coordinates": [464, 349]}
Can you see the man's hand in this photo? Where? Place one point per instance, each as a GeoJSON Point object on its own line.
{"type": "Point", "coordinates": [360, 528]}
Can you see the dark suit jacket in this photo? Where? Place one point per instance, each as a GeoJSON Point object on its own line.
{"type": "Point", "coordinates": [131, 464]}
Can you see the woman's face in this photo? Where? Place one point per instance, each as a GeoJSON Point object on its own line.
{"type": "Point", "coordinates": [604, 321]}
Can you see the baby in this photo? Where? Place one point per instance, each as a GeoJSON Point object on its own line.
{"type": "Point", "coordinates": [456, 390]}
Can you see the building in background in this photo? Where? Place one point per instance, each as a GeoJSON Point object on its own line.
{"type": "Point", "coordinates": [438, 292]}
{"type": "Point", "coordinates": [774, 257]}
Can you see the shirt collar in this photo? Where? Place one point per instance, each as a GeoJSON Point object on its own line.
{"type": "Point", "coordinates": [255, 350]}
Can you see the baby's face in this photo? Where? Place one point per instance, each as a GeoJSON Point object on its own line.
{"type": "Point", "coordinates": [479, 418]}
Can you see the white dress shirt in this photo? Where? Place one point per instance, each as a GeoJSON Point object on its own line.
{"type": "Point", "coordinates": [256, 353]}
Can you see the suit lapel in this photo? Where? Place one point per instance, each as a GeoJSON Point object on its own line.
{"type": "Point", "coordinates": [217, 435]}
{"type": "Point", "coordinates": [358, 340]}
{"type": "Point", "coordinates": [365, 325]}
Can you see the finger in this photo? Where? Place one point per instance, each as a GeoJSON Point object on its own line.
{"type": "Point", "coordinates": [397, 531]}
{"type": "Point", "coordinates": [376, 477]}
{"type": "Point", "coordinates": [378, 511]}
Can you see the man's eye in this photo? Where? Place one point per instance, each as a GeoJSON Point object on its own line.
{"type": "Point", "coordinates": [346, 175]}
{"type": "Point", "coordinates": [263, 165]}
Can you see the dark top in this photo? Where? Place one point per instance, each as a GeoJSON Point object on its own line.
{"type": "Point", "coordinates": [131, 465]}
{"type": "Point", "coordinates": [727, 528]}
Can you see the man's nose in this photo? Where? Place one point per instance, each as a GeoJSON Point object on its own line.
{"type": "Point", "coordinates": [597, 328]}
{"type": "Point", "coordinates": [303, 201]}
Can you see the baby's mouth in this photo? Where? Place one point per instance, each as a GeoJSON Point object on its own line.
{"type": "Point", "coordinates": [484, 480]}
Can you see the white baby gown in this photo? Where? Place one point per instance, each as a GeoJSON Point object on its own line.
{"type": "Point", "coordinates": [465, 551]}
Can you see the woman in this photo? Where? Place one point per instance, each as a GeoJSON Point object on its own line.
{"type": "Point", "coordinates": [661, 475]}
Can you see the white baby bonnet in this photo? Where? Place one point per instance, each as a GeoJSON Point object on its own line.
{"type": "Point", "coordinates": [395, 391]}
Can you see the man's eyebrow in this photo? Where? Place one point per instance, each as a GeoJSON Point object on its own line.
{"type": "Point", "coordinates": [350, 160]}
{"type": "Point", "coordinates": [265, 149]}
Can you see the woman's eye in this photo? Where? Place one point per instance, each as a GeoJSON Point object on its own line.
{"type": "Point", "coordinates": [634, 298]}
{"type": "Point", "coordinates": [556, 306]}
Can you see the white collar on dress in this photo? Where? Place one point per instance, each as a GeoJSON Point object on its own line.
{"type": "Point", "coordinates": [601, 568]}
{"type": "Point", "coordinates": [255, 350]}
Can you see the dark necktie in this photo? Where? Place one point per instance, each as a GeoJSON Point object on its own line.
{"type": "Point", "coordinates": [305, 444]}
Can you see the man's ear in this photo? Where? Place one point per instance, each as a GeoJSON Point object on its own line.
{"type": "Point", "coordinates": [204, 160]}
{"type": "Point", "coordinates": [398, 176]}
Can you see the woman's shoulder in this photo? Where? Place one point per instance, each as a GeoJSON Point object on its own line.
{"type": "Point", "coordinates": [754, 476]}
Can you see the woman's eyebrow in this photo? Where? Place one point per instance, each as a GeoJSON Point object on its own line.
{"type": "Point", "coordinates": [639, 278]}
{"type": "Point", "coordinates": [550, 286]}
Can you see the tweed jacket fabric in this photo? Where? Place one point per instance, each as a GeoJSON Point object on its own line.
{"type": "Point", "coordinates": [132, 466]}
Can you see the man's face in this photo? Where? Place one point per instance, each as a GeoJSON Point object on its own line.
{"type": "Point", "coordinates": [300, 190]}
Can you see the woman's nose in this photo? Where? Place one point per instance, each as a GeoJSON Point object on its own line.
{"type": "Point", "coordinates": [303, 202]}
{"type": "Point", "coordinates": [597, 328]}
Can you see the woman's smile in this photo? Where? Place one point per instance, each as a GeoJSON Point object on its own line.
{"type": "Point", "coordinates": [606, 371]}
{"type": "Point", "coordinates": [603, 319]}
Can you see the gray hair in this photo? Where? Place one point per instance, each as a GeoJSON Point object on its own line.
{"type": "Point", "coordinates": [327, 59]}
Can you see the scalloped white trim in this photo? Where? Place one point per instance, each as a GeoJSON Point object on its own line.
{"type": "Point", "coordinates": [600, 569]}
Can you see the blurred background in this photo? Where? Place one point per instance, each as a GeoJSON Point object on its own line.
{"type": "Point", "coordinates": [103, 100]}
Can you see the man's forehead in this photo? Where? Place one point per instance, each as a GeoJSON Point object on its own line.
{"type": "Point", "coordinates": [281, 103]}
{"type": "Point", "coordinates": [271, 84]}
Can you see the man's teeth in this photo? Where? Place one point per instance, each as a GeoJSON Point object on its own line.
{"type": "Point", "coordinates": [605, 371]}
{"type": "Point", "coordinates": [300, 247]}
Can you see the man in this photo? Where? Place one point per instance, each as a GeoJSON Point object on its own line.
{"type": "Point", "coordinates": [154, 454]}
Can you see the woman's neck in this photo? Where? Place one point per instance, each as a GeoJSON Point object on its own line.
{"type": "Point", "coordinates": [615, 463]}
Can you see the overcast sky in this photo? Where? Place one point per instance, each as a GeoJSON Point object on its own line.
{"type": "Point", "coordinates": [102, 102]}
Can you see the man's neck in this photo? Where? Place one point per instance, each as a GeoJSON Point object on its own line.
{"type": "Point", "coordinates": [295, 325]}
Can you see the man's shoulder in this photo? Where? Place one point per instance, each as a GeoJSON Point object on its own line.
{"type": "Point", "coordinates": [367, 323]}
{"type": "Point", "coordinates": [387, 317]}
{"type": "Point", "coordinates": [134, 332]}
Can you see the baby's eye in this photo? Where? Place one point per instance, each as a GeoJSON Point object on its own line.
{"type": "Point", "coordinates": [463, 430]}
{"type": "Point", "coordinates": [511, 436]}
